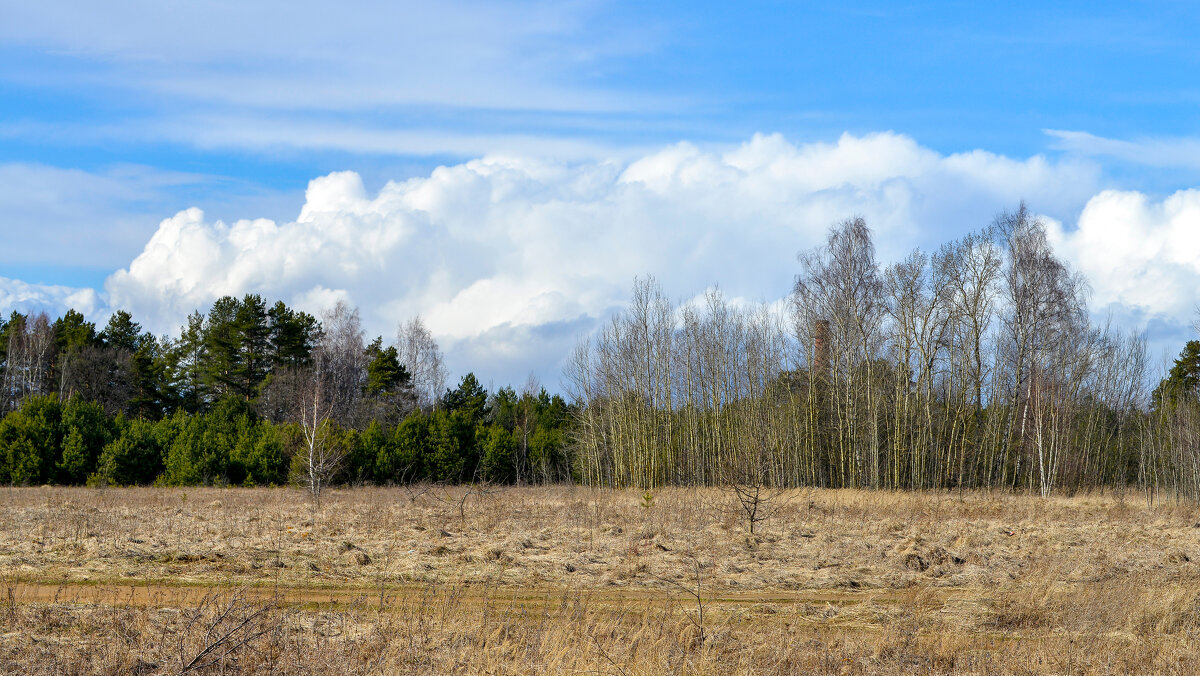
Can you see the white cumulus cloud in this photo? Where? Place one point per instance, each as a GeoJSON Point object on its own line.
{"type": "Point", "coordinates": [511, 258]}
{"type": "Point", "coordinates": [19, 296]}
{"type": "Point", "coordinates": [1139, 254]}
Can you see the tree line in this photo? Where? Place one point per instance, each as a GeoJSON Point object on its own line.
{"type": "Point", "coordinates": [245, 394]}
{"type": "Point", "coordinates": [977, 365]}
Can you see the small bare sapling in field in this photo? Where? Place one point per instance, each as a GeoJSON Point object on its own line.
{"type": "Point", "coordinates": [458, 499]}
{"type": "Point", "coordinates": [695, 591]}
{"type": "Point", "coordinates": [754, 498]}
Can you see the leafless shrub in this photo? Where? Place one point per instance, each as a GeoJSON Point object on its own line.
{"type": "Point", "coordinates": [220, 627]}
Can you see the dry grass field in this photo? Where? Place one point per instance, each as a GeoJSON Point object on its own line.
{"type": "Point", "coordinates": [568, 580]}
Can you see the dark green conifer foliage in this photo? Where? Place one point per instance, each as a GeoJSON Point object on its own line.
{"type": "Point", "coordinates": [72, 332]}
{"type": "Point", "coordinates": [469, 399]}
{"type": "Point", "coordinates": [14, 324]}
{"type": "Point", "coordinates": [386, 376]}
{"type": "Point", "coordinates": [122, 332]}
{"type": "Point", "coordinates": [291, 335]}
{"type": "Point", "coordinates": [222, 360]}
{"type": "Point", "coordinates": [85, 430]}
{"type": "Point", "coordinates": [365, 451]}
{"type": "Point", "coordinates": [135, 456]}
{"type": "Point", "coordinates": [404, 459]}
{"type": "Point", "coordinates": [31, 441]}
{"type": "Point", "coordinates": [152, 390]}
{"type": "Point", "coordinates": [451, 446]}
{"type": "Point", "coordinates": [185, 365]}
{"type": "Point", "coordinates": [1183, 381]}
{"type": "Point", "coordinates": [254, 348]}
{"type": "Point", "coordinates": [499, 455]}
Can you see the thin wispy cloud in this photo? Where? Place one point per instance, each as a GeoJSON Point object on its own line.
{"type": "Point", "coordinates": [1171, 153]}
{"type": "Point", "coordinates": [329, 56]}
{"type": "Point", "coordinates": [123, 198]}
{"type": "Point", "coordinates": [266, 134]}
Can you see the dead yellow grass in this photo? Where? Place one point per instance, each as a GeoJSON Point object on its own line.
{"type": "Point", "coordinates": [570, 580]}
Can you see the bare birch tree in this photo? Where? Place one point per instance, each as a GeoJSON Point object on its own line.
{"type": "Point", "coordinates": [27, 362]}
{"type": "Point", "coordinates": [314, 408]}
{"type": "Point", "coordinates": [420, 356]}
{"type": "Point", "coordinates": [340, 362]}
{"type": "Point", "coordinates": [839, 283]}
{"type": "Point", "coordinates": [1045, 313]}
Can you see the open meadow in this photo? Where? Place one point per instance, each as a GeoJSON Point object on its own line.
{"type": "Point", "coordinates": [568, 580]}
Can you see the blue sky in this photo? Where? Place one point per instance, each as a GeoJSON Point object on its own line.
{"type": "Point", "coordinates": [115, 117]}
{"type": "Point", "coordinates": [89, 86]}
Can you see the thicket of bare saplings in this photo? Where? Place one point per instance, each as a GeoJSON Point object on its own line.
{"type": "Point", "coordinates": [974, 366]}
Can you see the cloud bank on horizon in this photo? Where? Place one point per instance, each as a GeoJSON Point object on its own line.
{"type": "Point", "coordinates": [512, 258]}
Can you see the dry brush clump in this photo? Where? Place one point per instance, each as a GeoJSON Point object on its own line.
{"type": "Point", "coordinates": [566, 579]}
